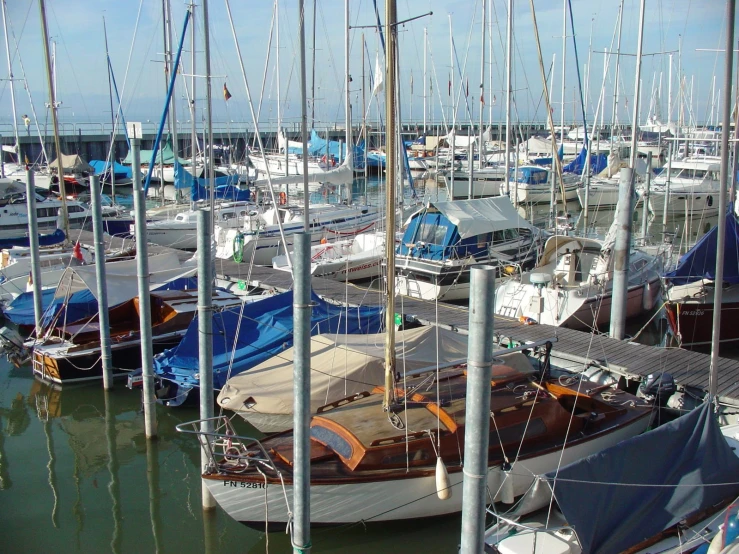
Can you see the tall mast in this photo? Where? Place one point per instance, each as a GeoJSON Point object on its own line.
{"type": "Point", "coordinates": [390, 168]}
{"type": "Point", "coordinates": [12, 88]}
{"type": "Point", "coordinates": [451, 95]}
{"type": "Point", "coordinates": [313, 77]}
{"type": "Point", "coordinates": [425, 59]}
{"type": "Point", "coordinates": [564, 67]}
{"type": "Point", "coordinates": [54, 120]}
{"type": "Point", "coordinates": [193, 123]}
{"type": "Point", "coordinates": [508, 53]}
{"type": "Point", "coordinates": [480, 146]}
{"type": "Point", "coordinates": [209, 121]}
{"type": "Point", "coordinates": [724, 180]}
{"type": "Point", "coordinates": [618, 65]}
{"type": "Point", "coordinates": [173, 100]}
{"type": "Point", "coordinates": [347, 105]}
{"type": "Point", "coordinates": [112, 117]}
{"type": "Point", "coordinates": [277, 66]}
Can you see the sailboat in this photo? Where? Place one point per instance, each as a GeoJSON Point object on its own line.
{"type": "Point", "coordinates": [572, 284]}
{"type": "Point", "coordinates": [374, 454]}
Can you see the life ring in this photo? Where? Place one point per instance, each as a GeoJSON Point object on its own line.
{"type": "Point", "coordinates": [283, 199]}
{"type": "Point", "coordinates": [238, 247]}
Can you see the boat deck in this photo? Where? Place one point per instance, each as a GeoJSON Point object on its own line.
{"type": "Point", "coordinates": [631, 360]}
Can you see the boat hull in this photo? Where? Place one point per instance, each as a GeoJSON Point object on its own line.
{"type": "Point", "coordinates": [389, 499]}
{"type": "Point", "coordinates": [692, 322]}
{"type": "Point", "coordinates": [88, 366]}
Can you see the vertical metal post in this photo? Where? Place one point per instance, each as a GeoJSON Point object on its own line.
{"type": "Point", "coordinates": [102, 287]}
{"type": "Point", "coordinates": [477, 423]}
{"type": "Point", "coordinates": [205, 340]}
{"type": "Point", "coordinates": [621, 254]}
{"type": "Point", "coordinates": [38, 306]}
{"type": "Point", "coordinates": [142, 272]}
{"type": "Point", "coordinates": [667, 186]}
{"type": "Point", "coordinates": [301, 410]}
{"type": "Point", "coordinates": [724, 182]}
{"type": "Point", "coordinates": [645, 205]}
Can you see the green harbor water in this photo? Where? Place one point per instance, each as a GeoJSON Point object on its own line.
{"type": "Point", "coordinates": [77, 474]}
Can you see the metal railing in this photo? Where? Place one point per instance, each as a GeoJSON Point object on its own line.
{"type": "Point", "coordinates": [227, 451]}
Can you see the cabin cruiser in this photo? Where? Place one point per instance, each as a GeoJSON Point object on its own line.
{"type": "Point", "coordinates": [14, 214]}
{"type": "Point", "coordinates": [445, 240]}
{"type": "Point", "coordinates": [260, 238]}
{"type": "Point", "coordinates": [181, 230]}
{"type": "Point", "coordinates": [352, 259]}
{"type": "Point", "coordinates": [532, 184]}
{"type": "Point", "coordinates": [693, 185]}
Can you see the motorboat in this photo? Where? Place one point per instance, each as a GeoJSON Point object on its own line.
{"type": "Point", "coordinates": [353, 259]}
{"type": "Point", "coordinates": [445, 240]}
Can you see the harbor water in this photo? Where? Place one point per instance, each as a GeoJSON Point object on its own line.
{"type": "Point", "coordinates": [78, 475]}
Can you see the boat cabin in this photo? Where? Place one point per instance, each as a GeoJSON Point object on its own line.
{"type": "Point", "coordinates": [462, 228]}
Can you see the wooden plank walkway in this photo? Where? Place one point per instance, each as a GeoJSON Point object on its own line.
{"type": "Point", "coordinates": [633, 361]}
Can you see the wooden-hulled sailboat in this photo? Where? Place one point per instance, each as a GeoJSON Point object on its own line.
{"type": "Point", "coordinates": [374, 455]}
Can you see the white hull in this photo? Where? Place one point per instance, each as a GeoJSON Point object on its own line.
{"type": "Point", "coordinates": [684, 203]}
{"type": "Point", "coordinates": [526, 194]}
{"type": "Point", "coordinates": [279, 167]}
{"type": "Point", "coordinates": [599, 196]}
{"type": "Point", "coordinates": [424, 290]}
{"type": "Point", "coordinates": [391, 500]}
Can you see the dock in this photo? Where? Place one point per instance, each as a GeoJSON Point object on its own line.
{"type": "Point", "coordinates": [627, 359]}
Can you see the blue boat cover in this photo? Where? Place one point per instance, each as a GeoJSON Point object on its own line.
{"type": "Point", "coordinates": [50, 239]}
{"type": "Point", "coordinates": [241, 340]}
{"type": "Point", "coordinates": [597, 163]}
{"type": "Point", "coordinates": [690, 468]}
{"type": "Point", "coordinates": [101, 167]}
{"type": "Point", "coordinates": [317, 147]}
{"type": "Point", "coordinates": [80, 305]}
{"type": "Point", "coordinates": [225, 187]}
{"type": "Point", "coordinates": [700, 261]}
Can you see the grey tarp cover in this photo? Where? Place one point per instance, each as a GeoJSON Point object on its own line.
{"type": "Point", "coordinates": [689, 452]}
{"type": "Point", "coordinates": [72, 163]}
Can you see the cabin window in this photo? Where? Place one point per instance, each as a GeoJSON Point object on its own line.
{"type": "Point", "coordinates": [74, 209]}
{"type": "Point", "coordinates": [228, 215]}
{"type": "Point", "coordinates": [699, 173]}
{"type": "Point", "coordinates": [431, 233]}
{"type": "Point", "coordinates": [333, 441]}
{"type": "Point", "coordinates": [483, 239]}
{"type": "Point", "coordinates": [511, 234]}
{"type": "Point", "coordinates": [498, 236]}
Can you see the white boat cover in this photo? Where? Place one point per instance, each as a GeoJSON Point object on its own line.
{"type": "Point", "coordinates": [483, 215]}
{"type": "Point", "coordinates": [121, 279]}
{"type": "Point", "coordinates": [341, 365]}
{"type": "Point", "coordinates": [342, 175]}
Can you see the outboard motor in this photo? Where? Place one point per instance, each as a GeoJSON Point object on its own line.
{"type": "Point", "coordinates": [13, 346]}
{"type": "Point", "coordinates": [657, 388]}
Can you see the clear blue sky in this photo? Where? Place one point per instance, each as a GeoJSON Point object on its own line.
{"type": "Point", "coordinates": [76, 25]}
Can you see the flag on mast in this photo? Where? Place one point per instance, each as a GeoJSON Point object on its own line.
{"type": "Point", "coordinates": [226, 94]}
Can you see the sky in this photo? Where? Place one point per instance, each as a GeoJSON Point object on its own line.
{"type": "Point", "coordinates": [135, 44]}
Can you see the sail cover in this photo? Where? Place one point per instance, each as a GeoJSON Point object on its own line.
{"type": "Point", "coordinates": [72, 163]}
{"type": "Point", "coordinates": [483, 215]}
{"type": "Point", "coordinates": [691, 467]}
{"type": "Point", "coordinates": [243, 339]}
{"type": "Point", "coordinates": [700, 261]}
{"type": "Point", "coordinates": [341, 365]}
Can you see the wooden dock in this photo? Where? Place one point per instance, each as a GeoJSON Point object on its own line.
{"type": "Point", "coordinates": [632, 361]}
